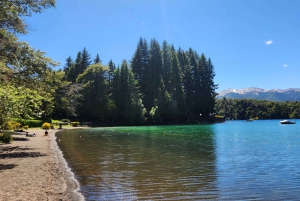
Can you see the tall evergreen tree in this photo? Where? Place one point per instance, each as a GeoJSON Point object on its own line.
{"type": "Point", "coordinates": [97, 59]}
{"type": "Point", "coordinates": [140, 60]}
{"type": "Point", "coordinates": [111, 67]}
{"type": "Point", "coordinates": [68, 64]}
{"type": "Point", "coordinates": [127, 97]}
{"type": "Point", "coordinates": [200, 87]}
{"type": "Point", "coordinates": [167, 68]}
{"type": "Point", "coordinates": [137, 61]}
{"type": "Point", "coordinates": [76, 70]}
{"type": "Point", "coordinates": [153, 78]}
{"type": "Point", "coordinates": [194, 82]}
{"type": "Point", "coordinates": [187, 78]}
{"type": "Point", "coordinates": [140, 67]}
{"type": "Point", "coordinates": [85, 60]}
{"type": "Point", "coordinates": [209, 86]}
{"type": "Point", "coordinates": [177, 94]}
{"type": "Point", "coordinates": [69, 69]}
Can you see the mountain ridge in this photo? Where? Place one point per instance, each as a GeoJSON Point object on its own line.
{"type": "Point", "coordinates": [290, 94]}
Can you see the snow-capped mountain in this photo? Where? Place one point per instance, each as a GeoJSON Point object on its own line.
{"type": "Point", "coordinates": [291, 94]}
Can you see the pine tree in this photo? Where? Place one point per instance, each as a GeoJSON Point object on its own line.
{"type": "Point", "coordinates": [167, 69]}
{"type": "Point", "coordinates": [177, 94]}
{"type": "Point", "coordinates": [183, 62]}
{"type": "Point", "coordinates": [140, 60]}
{"type": "Point", "coordinates": [97, 59]}
{"type": "Point", "coordinates": [193, 82]}
{"type": "Point", "coordinates": [200, 95]}
{"type": "Point", "coordinates": [127, 96]}
{"type": "Point", "coordinates": [112, 67]}
{"type": "Point", "coordinates": [137, 61]}
{"type": "Point", "coordinates": [153, 77]}
{"type": "Point", "coordinates": [209, 86]}
{"type": "Point", "coordinates": [76, 70]}
{"type": "Point", "coordinates": [85, 60]}
{"type": "Point", "coordinates": [68, 68]}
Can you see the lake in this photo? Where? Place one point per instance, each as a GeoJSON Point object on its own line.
{"type": "Point", "coordinates": [235, 160]}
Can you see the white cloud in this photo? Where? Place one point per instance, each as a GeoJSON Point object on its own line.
{"type": "Point", "coordinates": [285, 65]}
{"type": "Point", "coordinates": [268, 42]}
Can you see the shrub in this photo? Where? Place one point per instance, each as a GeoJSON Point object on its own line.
{"type": "Point", "coordinates": [65, 120]}
{"type": "Point", "coordinates": [46, 125]}
{"type": "Point", "coordinates": [18, 125]}
{"type": "Point", "coordinates": [9, 126]}
{"type": "Point", "coordinates": [31, 122]}
{"type": "Point", "coordinates": [6, 137]}
{"type": "Point", "coordinates": [75, 123]}
{"type": "Point", "coordinates": [25, 127]}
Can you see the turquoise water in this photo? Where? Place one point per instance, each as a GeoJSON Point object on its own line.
{"type": "Point", "coordinates": [235, 160]}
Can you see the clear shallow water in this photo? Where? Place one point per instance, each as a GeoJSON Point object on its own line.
{"type": "Point", "coordinates": [235, 160]}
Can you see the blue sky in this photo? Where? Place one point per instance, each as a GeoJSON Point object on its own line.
{"type": "Point", "coordinates": [252, 43]}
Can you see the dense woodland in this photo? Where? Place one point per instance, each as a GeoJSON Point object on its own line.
{"type": "Point", "coordinates": [261, 109]}
{"type": "Point", "coordinates": [158, 85]}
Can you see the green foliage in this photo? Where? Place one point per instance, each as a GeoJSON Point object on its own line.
{"type": "Point", "coordinates": [127, 97]}
{"type": "Point", "coordinates": [166, 85]}
{"type": "Point", "coordinates": [252, 108]}
{"type": "Point", "coordinates": [46, 125]}
{"type": "Point", "coordinates": [95, 88]}
{"type": "Point", "coordinates": [18, 102]}
{"type": "Point", "coordinates": [31, 123]}
{"type": "Point", "coordinates": [6, 137]}
{"type": "Point", "coordinates": [24, 71]}
{"type": "Point", "coordinates": [9, 125]}
{"type": "Point", "coordinates": [75, 123]}
{"type": "Point", "coordinates": [155, 115]}
{"type": "Point", "coordinates": [65, 120]}
{"type": "Point", "coordinates": [18, 125]}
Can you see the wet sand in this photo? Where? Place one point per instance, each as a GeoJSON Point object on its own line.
{"type": "Point", "coordinates": [32, 168]}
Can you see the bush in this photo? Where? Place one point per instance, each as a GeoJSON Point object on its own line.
{"type": "Point", "coordinates": [65, 120]}
{"type": "Point", "coordinates": [18, 125]}
{"type": "Point", "coordinates": [6, 137]}
{"type": "Point", "coordinates": [31, 122]}
{"type": "Point", "coordinates": [25, 127]}
{"type": "Point", "coordinates": [46, 125]}
{"type": "Point", "coordinates": [9, 126]}
{"type": "Point", "coordinates": [75, 123]}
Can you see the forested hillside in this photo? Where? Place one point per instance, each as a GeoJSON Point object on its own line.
{"type": "Point", "coordinates": [261, 109]}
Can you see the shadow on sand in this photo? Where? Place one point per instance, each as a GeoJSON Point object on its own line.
{"type": "Point", "coordinates": [18, 152]}
{"type": "Point", "coordinates": [6, 167]}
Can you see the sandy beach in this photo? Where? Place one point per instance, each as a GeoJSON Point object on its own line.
{"type": "Point", "coordinates": [32, 168]}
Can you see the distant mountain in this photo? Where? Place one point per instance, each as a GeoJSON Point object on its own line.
{"type": "Point", "coordinates": [292, 94]}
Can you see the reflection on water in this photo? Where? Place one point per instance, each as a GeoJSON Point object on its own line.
{"type": "Point", "coordinates": [235, 160]}
{"type": "Point", "coordinates": [143, 163]}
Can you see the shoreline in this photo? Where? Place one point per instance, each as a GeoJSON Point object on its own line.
{"type": "Point", "coordinates": [33, 168]}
